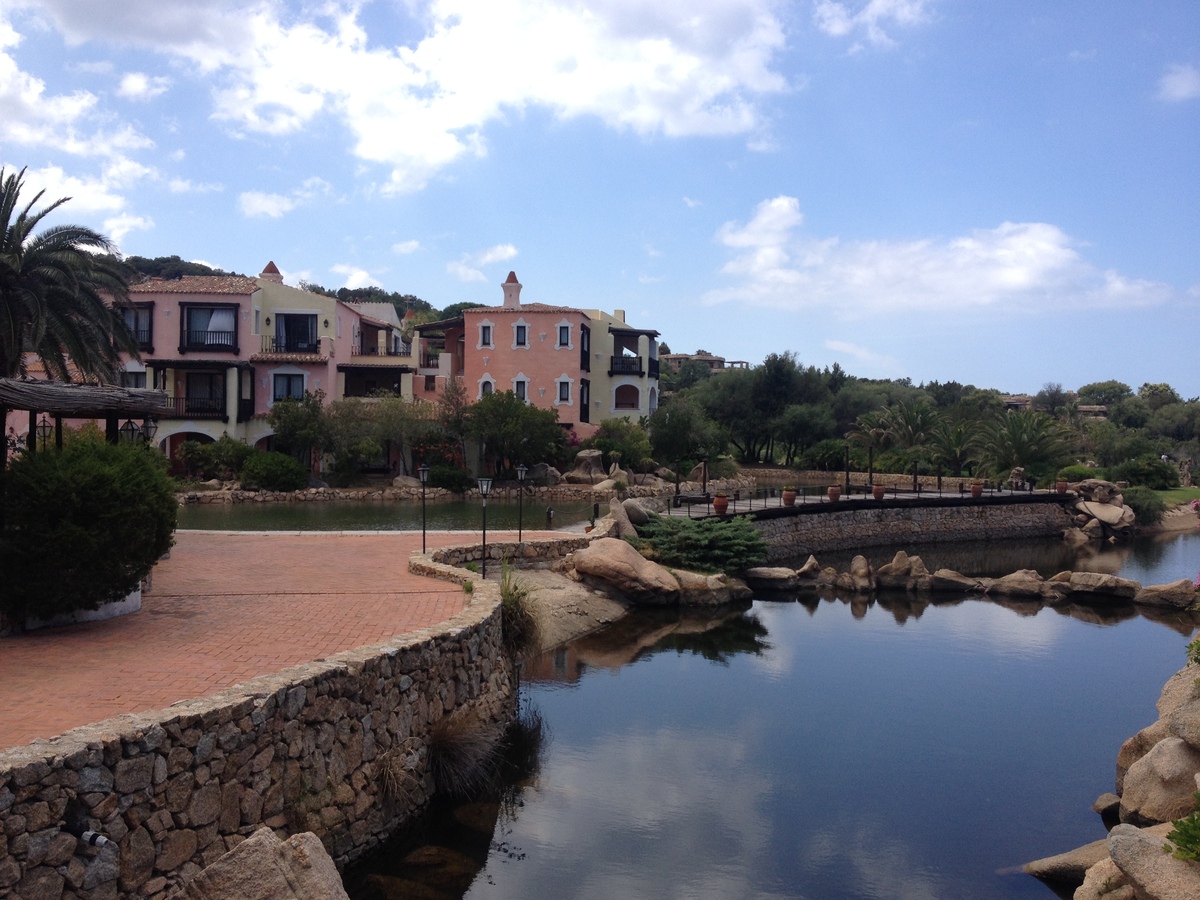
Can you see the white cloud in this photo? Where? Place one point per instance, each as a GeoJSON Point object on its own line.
{"type": "Point", "coordinates": [257, 204]}
{"type": "Point", "coordinates": [355, 277]}
{"type": "Point", "coordinates": [140, 86]}
{"type": "Point", "coordinates": [673, 68]}
{"type": "Point", "coordinates": [864, 356]}
{"type": "Point", "coordinates": [499, 253]}
{"type": "Point", "coordinates": [1179, 83]}
{"type": "Point", "coordinates": [464, 272]}
{"type": "Point", "coordinates": [837, 20]}
{"type": "Point", "coordinates": [1026, 266]}
{"type": "Point", "coordinates": [468, 267]}
{"type": "Point", "coordinates": [184, 186]}
{"type": "Point", "coordinates": [119, 226]}
{"type": "Point", "coordinates": [406, 247]}
{"type": "Point", "coordinates": [86, 194]}
{"type": "Point", "coordinates": [690, 203]}
{"type": "Point", "coordinates": [34, 118]}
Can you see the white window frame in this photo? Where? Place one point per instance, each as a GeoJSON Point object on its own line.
{"type": "Point", "coordinates": [523, 381]}
{"type": "Point", "coordinates": [566, 382]}
{"type": "Point", "coordinates": [284, 370]}
{"type": "Point", "coordinates": [558, 342]}
{"type": "Point", "coordinates": [521, 323]}
{"type": "Point", "coordinates": [491, 335]}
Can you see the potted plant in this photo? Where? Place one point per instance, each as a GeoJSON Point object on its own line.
{"type": "Point", "coordinates": [834, 492]}
{"type": "Point", "coordinates": [789, 495]}
{"type": "Point", "coordinates": [720, 503]}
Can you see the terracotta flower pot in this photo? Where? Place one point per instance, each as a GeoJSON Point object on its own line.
{"type": "Point", "coordinates": [1060, 487]}
{"type": "Point", "coordinates": [789, 498]}
{"type": "Point", "coordinates": [877, 491]}
{"type": "Point", "coordinates": [834, 492]}
{"type": "Point", "coordinates": [720, 505]}
{"type": "Point", "coordinates": [977, 490]}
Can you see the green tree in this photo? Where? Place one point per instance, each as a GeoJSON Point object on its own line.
{"type": "Point", "coordinates": [1159, 395]}
{"type": "Point", "coordinates": [354, 437]}
{"type": "Point", "coordinates": [954, 444]}
{"type": "Point", "coordinates": [300, 425]}
{"type": "Point", "coordinates": [513, 432]}
{"type": "Point", "coordinates": [800, 426]}
{"type": "Point", "coordinates": [1051, 398]}
{"type": "Point", "coordinates": [1025, 438]}
{"type": "Point", "coordinates": [1104, 393]}
{"type": "Point", "coordinates": [52, 292]}
{"type": "Point", "coordinates": [681, 433]}
{"type": "Point", "coordinates": [453, 414]}
{"type": "Point", "coordinates": [400, 422]}
{"type": "Point", "coordinates": [627, 439]}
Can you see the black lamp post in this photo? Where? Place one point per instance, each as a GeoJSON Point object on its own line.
{"type": "Point", "coordinates": [485, 488]}
{"type": "Point", "coordinates": [423, 474]}
{"type": "Point", "coordinates": [521, 470]}
{"type": "Point", "coordinates": [130, 432]}
{"type": "Point", "coordinates": [149, 430]}
{"type": "Point", "coordinates": [43, 431]}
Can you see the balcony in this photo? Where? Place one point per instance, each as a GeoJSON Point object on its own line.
{"type": "Point", "coordinates": [654, 368]}
{"type": "Point", "coordinates": [626, 365]}
{"type": "Point", "coordinates": [373, 350]}
{"type": "Point", "coordinates": [430, 360]}
{"type": "Point", "coordinates": [203, 339]}
{"type": "Point", "coordinates": [293, 344]}
{"type": "Point", "coordinates": [195, 408]}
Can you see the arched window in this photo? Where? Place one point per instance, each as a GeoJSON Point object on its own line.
{"type": "Point", "coordinates": [627, 396]}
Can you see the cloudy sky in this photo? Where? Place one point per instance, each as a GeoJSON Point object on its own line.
{"type": "Point", "coordinates": [999, 192]}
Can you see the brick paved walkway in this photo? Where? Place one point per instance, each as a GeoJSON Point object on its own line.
{"type": "Point", "coordinates": [222, 609]}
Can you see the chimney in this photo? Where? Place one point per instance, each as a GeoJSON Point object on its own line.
{"type": "Point", "coordinates": [619, 315]}
{"type": "Point", "coordinates": [512, 290]}
{"type": "Point", "coordinates": [272, 273]}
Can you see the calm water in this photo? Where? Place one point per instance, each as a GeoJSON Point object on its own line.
{"type": "Point", "coordinates": [446, 515]}
{"type": "Point", "coordinates": [827, 749]}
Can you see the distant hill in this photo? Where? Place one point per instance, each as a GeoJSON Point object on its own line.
{"type": "Point", "coordinates": [171, 268]}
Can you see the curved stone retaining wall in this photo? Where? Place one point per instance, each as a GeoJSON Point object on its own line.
{"type": "Point", "coordinates": [304, 749]}
{"type": "Point", "coordinates": [799, 531]}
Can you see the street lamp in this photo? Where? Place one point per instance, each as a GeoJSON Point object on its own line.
{"type": "Point", "coordinates": [149, 430]}
{"type": "Point", "coordinates": [485, 488]}
{"type": "Point", "coordinates": [130, 431]}
{"type": "Point", "coordinates": [43, 431]}
{"type": "Point", "coordinates": [423, 474]}
{"type": "Point", "coordinates": [521, 470]}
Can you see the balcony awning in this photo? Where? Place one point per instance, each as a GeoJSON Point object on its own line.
{"type": "Point", "coordinates": [80, 401]}
{"type": "Point", "coordinates": [436, 327]}
{"type": "Point", "coordinates": [618, 329]}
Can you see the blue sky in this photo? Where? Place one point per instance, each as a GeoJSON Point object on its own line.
{"type": "Point", "coordinates": [998, 193]}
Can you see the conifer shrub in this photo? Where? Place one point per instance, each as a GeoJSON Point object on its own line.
{"type": "Point", "coordinates": [1146, 505]}
{"type": "Point", "coordinates": [702, 545]}
{"type": "Point", "coordinates": [82, 526]}
{"type": "Point", "coordinates": [271, 471]}
{"type": "Point", "coordinates": [1077, 473]}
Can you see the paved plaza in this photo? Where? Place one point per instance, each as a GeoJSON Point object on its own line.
{"type": "Point", "coordinates": [224, 608]}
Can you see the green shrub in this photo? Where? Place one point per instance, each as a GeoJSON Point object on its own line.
{"type": "Point", "coordinates": [519, 624]}
{"type": "Point", "coordinates": [1146, 504]}
{"type": "Point", "coordinates": [1186, 835]}
{"type": "Point", "coordinates": [1076, 473]}
{"type": "Point", "coordinates": [703, 545]}
{"type": "Point", "coordinates": [828, 455]}
{"type": "Point", "coordinates": [270, 471]}
{"type": "Point", "coordinates": [222, 458]}
{"type": "Point", "coordinates": [450, 479]}
{"type": "Point", "coordinates": [1145, 471]}
{"type": "Point", "coordinates": [83, 526]}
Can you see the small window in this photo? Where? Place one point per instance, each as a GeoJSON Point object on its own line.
{"type": "Point", "coordinates": [430, 384]}
{"type": "Point", "coordinates": [520, 389]}
{"type": "Point", "coordinates": [289, 387]}
{"type": "Point", "coordinates": [564, 392]}
{"type": "Point", "coordinates": [522, 332]}
{"type": "Point", "coordinates": [132, 379]}
{"type": "Point", "coordinates": [564, 335]}
{"type": "Point", "coordinates": [485, 335]}
{"type": "Point", "coordinates": [486, 387]}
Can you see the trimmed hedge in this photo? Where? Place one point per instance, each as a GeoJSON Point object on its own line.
{"type": "Point", "coordinates": [82, 527]}
{"type": "Point", "coordinates": [271, 471]}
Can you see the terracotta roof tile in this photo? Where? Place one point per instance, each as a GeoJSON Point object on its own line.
{"type": "Point", "coordinates": [198, 284]}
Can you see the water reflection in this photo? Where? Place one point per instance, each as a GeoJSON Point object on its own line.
{"type": "Point", "coordinates": [877, 746]}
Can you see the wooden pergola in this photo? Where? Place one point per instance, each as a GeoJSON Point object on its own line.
{"type": "Point", "coordinates": [66, 400]}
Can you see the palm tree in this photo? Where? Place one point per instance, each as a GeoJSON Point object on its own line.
{"type": "Point", "coordinates": [870, 430]}
{"type": "Point", "coordinates": [1022, 438]}
{"type": "Point", "coordinates": [910, 426]}
{"type": "Point", "coordinates": [955, 444]}
{"type": "Point", "coordinates": [52, 292]}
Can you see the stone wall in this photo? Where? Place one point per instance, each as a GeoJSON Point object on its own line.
{"type": "Point", "coordinates": [305, 749]}
{"type": "Point", "coordinates": [524, 555]}
{"type": "Point", "coordinates": [796, 532]}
